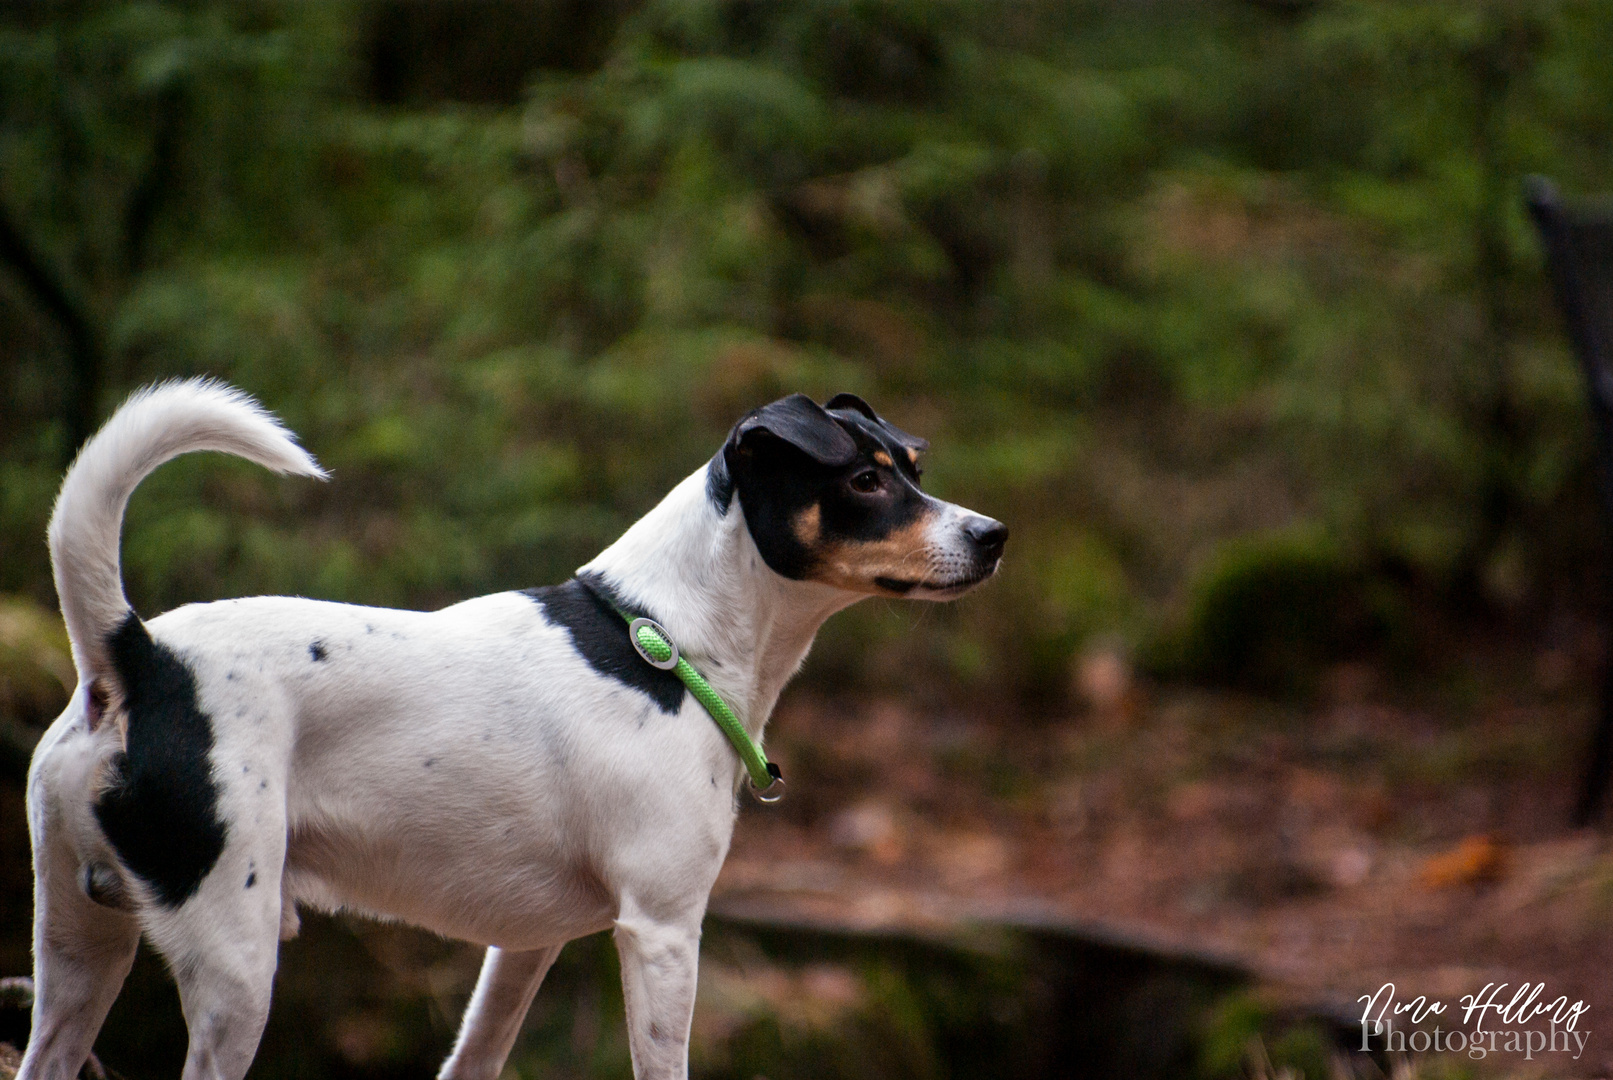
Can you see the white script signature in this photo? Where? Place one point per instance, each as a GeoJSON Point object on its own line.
{"type": "Point", "coordinates": [1523, 1006]}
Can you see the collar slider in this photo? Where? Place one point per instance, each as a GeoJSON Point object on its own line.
{"type": "Point", "coordinates": [659, 641]}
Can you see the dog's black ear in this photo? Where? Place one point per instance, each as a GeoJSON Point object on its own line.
{"type": "Point", "coordinates": [801, 422]}
{"type": "Point", "coordinates": [854, 403]}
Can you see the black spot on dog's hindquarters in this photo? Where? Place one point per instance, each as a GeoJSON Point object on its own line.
{"type": "Point", "coordinates": [252, 879]}
{"type": "Point", "coordinates": [317, 651]}
{"type": "Point", "coordinates": [583, 606]}
{"type": "Point", "coordinates": [160, 811]}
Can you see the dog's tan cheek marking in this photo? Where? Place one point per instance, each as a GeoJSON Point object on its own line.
{"type": "Point", "coordinates": [856, 565]}
{"type": "Point", "coordinates": [808, 525]}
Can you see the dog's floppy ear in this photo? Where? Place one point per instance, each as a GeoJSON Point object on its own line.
{"type": "Point", "coordinates": [857, 404]}
{"type": "Point", "coordinates": [801, 422]}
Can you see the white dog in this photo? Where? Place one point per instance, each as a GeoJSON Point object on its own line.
{"type": "Point", "coordinates": [509, 770]}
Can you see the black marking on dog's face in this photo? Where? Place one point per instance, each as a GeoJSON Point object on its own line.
{"type": "Point", "coordinates": [832, 494]}
{"type": "Point", "coordinates": [160, 812]}
{"type": "Point", "coordinates": [316, 651]}
{"type": "Point", "coordinates": [583, 606]}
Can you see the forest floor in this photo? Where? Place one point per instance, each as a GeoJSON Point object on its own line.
{"type": "Point", "coordinates": [1369, 836]}
{"type": "Point", "coordinates": [1372, 834]}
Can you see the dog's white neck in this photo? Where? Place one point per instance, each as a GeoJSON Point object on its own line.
{"type": "Point", "coordinates": [746, 628]}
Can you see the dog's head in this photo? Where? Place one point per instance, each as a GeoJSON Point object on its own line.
{"type": "Point", "coordinates": [831, 494]}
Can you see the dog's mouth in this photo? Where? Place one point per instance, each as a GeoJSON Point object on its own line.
{"type": "Point", "coordinates": [943, 590]}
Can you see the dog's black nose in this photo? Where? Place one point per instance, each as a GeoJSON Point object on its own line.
{"type": "Point", "coordinates": [988, 535]}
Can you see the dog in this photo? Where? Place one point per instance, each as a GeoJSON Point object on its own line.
{"type": "Point", "coordinates": [508, 771]}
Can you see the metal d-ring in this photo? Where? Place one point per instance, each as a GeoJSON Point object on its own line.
{"type": "Point", "coordinates": [772, 793]}
{"type": "Point", "coordinates": [632, 635]}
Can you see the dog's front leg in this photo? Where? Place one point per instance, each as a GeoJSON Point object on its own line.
{"type": "Point", "coordinates": [504, 992]}
{"type": "Point", "coordinates": [660, 958]}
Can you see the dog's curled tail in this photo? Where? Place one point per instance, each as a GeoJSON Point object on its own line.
{"type": "Point", "coordinates": [156, 424]}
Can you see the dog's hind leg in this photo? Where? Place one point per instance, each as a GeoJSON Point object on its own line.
{"type": "Point", "coordinates": [223, 944]}
{"type": "Point", "coordinates": [504, 992]}
{"type": "Point", "coordinates": [660, 958]}
{"type": "Point", "coordinates": [82, 952]}
{"type": "Point", "coordinates": [225, 973]}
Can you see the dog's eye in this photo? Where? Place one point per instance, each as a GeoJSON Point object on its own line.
{"type": "Point", "coordinates": [866, 482]}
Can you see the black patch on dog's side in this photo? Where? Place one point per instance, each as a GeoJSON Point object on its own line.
{"type": "Point", "coordinates": [583, 606]}
{"type": "Point", "coordinates": [317, 651]}
{"type": "Point", "coordinates": [161, 811]}
{"type": "Point", "coordinates": [252, 879]}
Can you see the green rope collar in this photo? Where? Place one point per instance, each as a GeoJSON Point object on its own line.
{"type": "Point", "coordinates": [655, 645]}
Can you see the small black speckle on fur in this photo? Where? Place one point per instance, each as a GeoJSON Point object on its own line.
{"type": "Point", "coordinates": [583, 606]}
{"type": "Point", "coordinates": [160, 811]}
{"type": "Point", "coordinates": [317, 651]}
{"type": "Point", "coordinates": [430, 761]}
{"type": "Point", "coordinates": [252, 879]}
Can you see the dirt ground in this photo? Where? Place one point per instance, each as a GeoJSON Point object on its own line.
{"type": "Point", "coordinates": [1383, 831]}
{"type": "Point", "coordinates": [1371, 835]}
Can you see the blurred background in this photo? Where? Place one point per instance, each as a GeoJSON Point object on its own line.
{"type": "Point", "coordinates": [1230, 309]}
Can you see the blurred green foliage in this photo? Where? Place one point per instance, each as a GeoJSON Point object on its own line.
{"type": "Point", "coordinates": [1151, 277]}
{"type": "Point", "coordinates": [1269, 611]}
